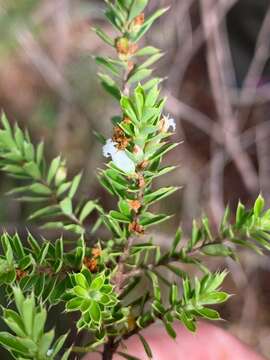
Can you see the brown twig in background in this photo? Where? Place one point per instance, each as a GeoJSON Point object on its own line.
{"type": "Point", "coordinates": [215, 60]}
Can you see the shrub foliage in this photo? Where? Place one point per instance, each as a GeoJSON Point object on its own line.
{"type": "Point", "coordinates": [98, 278]}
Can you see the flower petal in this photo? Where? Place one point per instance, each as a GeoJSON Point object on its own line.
{"type": "Point", "coordinates": [109, 148]}
{"type": "Point", "coordinates": [169, 123]}
{"type": "Point", "coordinates": [123, 162]}
{"type": "Point", "coordinates": [119, 157]}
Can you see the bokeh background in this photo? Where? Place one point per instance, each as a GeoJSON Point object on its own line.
{"type": "Point", "coordinates": [217, 72]}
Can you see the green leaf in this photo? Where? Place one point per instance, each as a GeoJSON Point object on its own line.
{"type": "Point", "coordinates": [74, 185]}
{"type": "Point", "coordinates": [28, 311]}
{"type": "Point", "coordinates": [119, 216]}
{"type": "Point", "coordinates": [124, 207]}
{"type": "Point", "coordinates": [39, 285]}
{"type": "Point", "coordinates": [5, 123]}
{"type": "Point", "coordinates": [39, 324]}
{"type": "Point", "coordinates": [174, 294]}
{"type": "Point", "coordinates": [125, 3]}
{"type": "Point", "coordinates": [217, 250]}
{"type": "Point", "coordinates": [46, 211]}
{"type": "Point", "coordinates": [208, 313]}
{"type": "Point", "coordinates": [25, 262]}
{"type": "Point", "coordinates": [43, 252]}
{"type": "Point", "coordinates": [187, 321]}
{"type": "Point", "coordinates": [66, 206]}
{"type": "Point", "coordinates": [147, 24]}
{"type": "Point", "coordinates": [45, 342]}
{"type": "Point", "coordinates": [66, 354]}
{"type": "Point", "coordinates": [14, 322]}
{"type": "Point", "coordinates": [32, 169]}
{"type": "Point", "coordinates": [152, 82]}
{"type": "Point", "coordinates": [58, 345]}
{"type": "Point", "coordinates": [113, 226]}
{"type": "Point", "coordinates": [115, 15]}
{"type": "Point", "coordinates": [248, 245]}
{"type": "Point", "coordinates": [139, 99]}
{"type": "Point", "coordinates": [176, 241]}
{"type": "Point", "coordinates": [81, 280]}
{"type": "Point", "coordinates": [117, 179]}
{"type": "Point", "coordinates": [110, 86]}
{"type": "Point", "coordinates": [154, 58]}
{"type": "Point", "coordinates": [33, 244]}
{"type": "Point", "coordinates": [155, 283]}
{"type": "Point", "coordinates": [225, 219]}
{"type": "Point", "coordinates": [149, 219]}
{"type": "Point", "coordinates": [162, 151]}
{"type": "Point", "coordinates": [29, 152]}
{"type": "Point", "coordinates": [177, 271]}
{"type": "Point", "coordinates": [8, 277]}
{"type": "Point", "coordinates": [152, 96]}
{"type": "Point", "coordinates": [158, 308]}
{"type": "Point", "coordinates": [63, 188]}
{"type": "Point", "coordinates": [95, 312]}
{"type": "Point", "coordinates": [127, 356]}
{"type": "Point", "coordinates": [206, 228]}
{"type": "Point", "coordinates": [107, 39]}
{"type": "Point", "coordinates": [87, 209]}
{"type": "Point", "coordinates": [146, 346]}
{"type": "Point", "coordinates": [259, 206]}
{"type": "Point", "coordinates": [107, 64]}
{"type": "Point", "coordinates": [14, 170]}
{"type": "Point", "coordinates": [139, 75]}
{"type": "Point", "coordinates": [74, 304]}
{"type": "Point", "coordinates": [59, 248]}
{"type": "Point", "coordinates": [215, 297]}
{"type": "Point", "coordinates": [240, 214]}
{"type": "Point", "coordinates": [212, 282]}
{"type": "Point", "coordinates": [136, 8]}
{"type": "Point", "coordinates": [98, 282]}
{"type": "Point", "coordinates": [159, 194]}
{"type": "Point", "coordinates": [40, 153]}
{"type": "Point", "coordinates": [148, 50]}
{"type": "Point", "coordinates": [170, 330]}
{"type": "Point", "coordinates": [262, 241]}
{"type": "Point", "coordinates": [55, 164]}
{"type": "Point", "coordinates": [10, 342]}
{"type": "Point", "coordinates": [7, 249]}
{"type": "Point", "coordinates": [128, 109]}
{"type": "Point", "coordinates": [39, 188]}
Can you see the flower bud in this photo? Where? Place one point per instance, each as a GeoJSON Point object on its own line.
{"type": "Point", "coordinates": [136, 227]}
{"type": "Point", "coordinates": [137, 23]}
{"type": "Point", "coordinates": [134, 205]}
{"type": "Point", "coordinates": [61, 174]}
{"type": "Point", "coordinates": [125, 48]}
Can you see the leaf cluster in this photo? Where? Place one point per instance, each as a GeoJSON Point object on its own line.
{"type": "Point", "coordinates": [30, 340]}
{"type": "Point", "coordinates": [99, 279]}
{"type": "Point", "coordinates": [45, 184]}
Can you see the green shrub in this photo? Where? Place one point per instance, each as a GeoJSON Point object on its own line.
{"type": "Point", "coordinates": [98, 277]}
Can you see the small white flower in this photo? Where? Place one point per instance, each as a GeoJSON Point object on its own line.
{"type": "Point", "coordinates": [109, 148]}
{"type": "Point", "coordinates": [119, 157]}
{"type": "Point", "coordinates": [49, 352]}
{"type": "Point", "coordinates": [168, 123]}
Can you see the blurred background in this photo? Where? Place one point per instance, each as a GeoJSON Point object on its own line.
{"type": "Point", "coordinates": [217, 71]}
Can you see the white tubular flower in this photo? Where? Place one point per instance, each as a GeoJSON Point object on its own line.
{"type": "Point", "coordinates": [49, 352]}
{"type": "Point", "coordinates": [119, 157]}
{"type": "Point", "coordinates": [168, 123]}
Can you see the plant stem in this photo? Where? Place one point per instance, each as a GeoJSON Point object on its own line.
{"type": "Point", "coordinates": [165, 261]}
{"type": "Point", "coordinates": [109, 349]}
